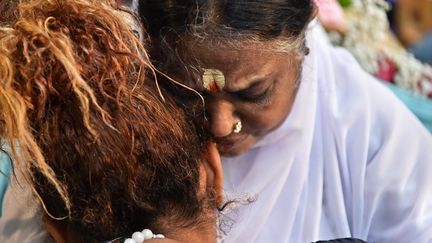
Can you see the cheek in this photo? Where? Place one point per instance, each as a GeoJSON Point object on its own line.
{"type": "Point", "coordinates": [263, 121]}
{"type": "Point", "coordinates": [269, 117]}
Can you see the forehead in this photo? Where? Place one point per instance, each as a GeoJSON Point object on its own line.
{"type": "Point", "coordinates": [239, 65]}
{"type": "Point", "coordinates": [230, 58]}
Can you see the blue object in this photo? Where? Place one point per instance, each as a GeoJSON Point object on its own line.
{"type": "Point", "coordinates": [5, 172]}
{"type": "Point", "coordinates": [422, 50]}
{"type": "Point", "coordinates": [420, 106]}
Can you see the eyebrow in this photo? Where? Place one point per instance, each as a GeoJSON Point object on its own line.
{"type": "Point", "coordinates": [251, 85]}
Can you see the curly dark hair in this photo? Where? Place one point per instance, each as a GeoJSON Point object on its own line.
{"type": "Point", "coordinates": [8, 10]}
{"type": "Point", "coordinates": [96, 139]}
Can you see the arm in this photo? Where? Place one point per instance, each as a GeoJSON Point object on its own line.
{"type": "Point", "coordinates": [398, 174]}
{"type": "Point", "coordinates": [386, 160]}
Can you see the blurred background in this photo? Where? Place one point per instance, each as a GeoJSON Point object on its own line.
{"type": "Point", "coordinates": [391, 39]}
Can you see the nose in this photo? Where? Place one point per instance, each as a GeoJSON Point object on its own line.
{"type": "Point", "coordinates": [221, 117]}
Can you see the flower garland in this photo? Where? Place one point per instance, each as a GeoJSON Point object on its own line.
{"type": "Point", "coordinates": [368, 38]}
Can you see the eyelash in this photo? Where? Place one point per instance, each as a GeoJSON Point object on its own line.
{"type": "Point", "coordinates": [258, 99]}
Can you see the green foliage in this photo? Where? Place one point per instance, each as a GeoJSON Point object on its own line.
{"type": "Point", "coordinates": [345, 3]}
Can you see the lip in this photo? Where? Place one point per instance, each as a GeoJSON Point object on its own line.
{"type": "Point", "coordinates": [229, 143]}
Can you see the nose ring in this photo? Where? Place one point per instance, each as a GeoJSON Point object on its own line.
{"type": "Point", "coordinates": [237, 127]}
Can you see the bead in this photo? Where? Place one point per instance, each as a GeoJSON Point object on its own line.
{"type": "Point", "coordinates": [159, 236]}
{"type": "Point", "coordinates": [129, 240]}
{"type": "Point", "coordinates": [138, 237]}
{"type": "Point", "coordinates": [148, 234]}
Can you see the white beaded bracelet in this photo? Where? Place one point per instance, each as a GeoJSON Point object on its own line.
{"type": "Point", "coordinates": [139, 237]}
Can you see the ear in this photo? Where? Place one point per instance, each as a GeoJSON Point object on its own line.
{"type": "Point", "coordinates": [59, 230]}
{"type": "Point", "coordinates": [56, 229]}
{"type": "Point", "coordinates": [315, 13]}
{"type": "Point", "coordinates": [211, 177]}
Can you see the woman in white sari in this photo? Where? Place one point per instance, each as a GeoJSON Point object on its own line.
{"type": "Point", "coordinates": [100, 151]}
{"type": "Point", "coordinates": [324, 149]}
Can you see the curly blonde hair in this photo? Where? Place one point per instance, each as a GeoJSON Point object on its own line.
{"type": "Point", "coordinates": [84, 119]}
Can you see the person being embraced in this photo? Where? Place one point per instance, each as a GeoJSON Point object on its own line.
{"type": "Point", "coordinates": [106, 151]}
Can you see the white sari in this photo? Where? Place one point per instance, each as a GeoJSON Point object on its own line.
{"type": "Point", "coordinates": [349, 161]}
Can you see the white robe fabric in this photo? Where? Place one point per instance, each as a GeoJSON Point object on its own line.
{"type": "Point", "coordinates": [21, 221]}
{"type": "Point", "coordinates": [349, 161]}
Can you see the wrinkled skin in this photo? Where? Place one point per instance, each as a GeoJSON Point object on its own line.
{"type": "Point", "coordinates": [259, 91]}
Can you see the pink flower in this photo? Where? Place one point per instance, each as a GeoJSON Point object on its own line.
{"type": "Point", "coordinates": [386, 70]}
{"type": "Point", "coordinates": [330, 14]}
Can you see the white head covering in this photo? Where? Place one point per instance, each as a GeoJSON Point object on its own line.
{"type": "Point", "coordinates": [349, 161]}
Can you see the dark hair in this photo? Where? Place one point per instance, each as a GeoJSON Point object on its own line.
{"type": "Point", "coordinates": [95, 138]}
{"type": "Point", "coordinates": [175, 25]}
{"type": "Point", "coordinates": [264, 18]}
{"type": "Point", "coordinates": [7, 10]}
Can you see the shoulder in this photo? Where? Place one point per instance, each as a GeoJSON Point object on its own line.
{"type": "Point", "coordinates": [21, 220]}
{"type": "Point", "coordinates": [383, 148]}
{"type": "Point", "coordinates": [363, 108]}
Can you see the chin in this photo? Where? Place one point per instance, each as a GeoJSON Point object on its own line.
{"type": "Point", "coordinates": [235, 151]}
{"type": "Point", "coordinates": [232, 153]}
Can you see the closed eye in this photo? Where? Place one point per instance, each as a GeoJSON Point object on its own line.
{"type": "Point", "coordinates": [254, 97]}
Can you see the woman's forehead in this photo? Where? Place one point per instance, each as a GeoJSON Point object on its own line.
{"type": "Point", "coordinates": [238, 66]}
{"type": "Point", "coordinates": [226, 55]}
